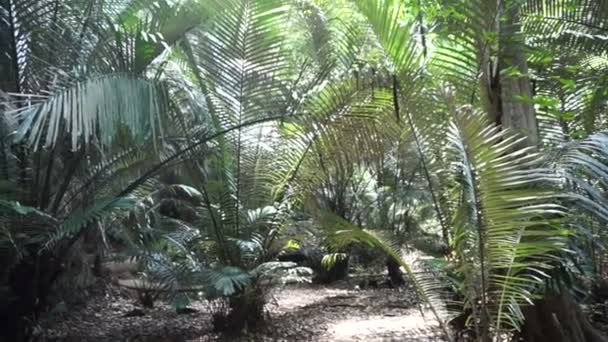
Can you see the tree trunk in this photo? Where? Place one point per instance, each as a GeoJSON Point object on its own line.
{"type": "Point", "coordinates": [506, 94]}
{"type": "Point", "coordinates": [394, 273]}
{"type": "Point", "coordinates": [246, 312]}
{"type": "Point", "coordinates": [9, 70]}
{"type": "Point", "coordinates": [557, 318]}
{"type": "Point", "coordinates": [338, 271]}
{"type": "Point", "coordinates": [515, 90]}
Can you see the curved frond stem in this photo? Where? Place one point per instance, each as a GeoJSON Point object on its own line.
{"type": "Point", "coordinates": [427, 175]}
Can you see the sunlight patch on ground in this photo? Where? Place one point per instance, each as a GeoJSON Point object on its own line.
{"type": "Point", "coordinates": [409, 327]}
{"type": "Point", "coordinates": [290, 299]}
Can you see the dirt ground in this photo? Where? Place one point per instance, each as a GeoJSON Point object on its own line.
{"type": "Point", "coordinates": [303, 313]}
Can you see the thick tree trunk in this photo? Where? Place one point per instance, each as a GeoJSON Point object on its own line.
{"type": "Point", "coordinates": [557, 318]}
{"type": "Point", "coordinates": [506, 94]}
{"type": "Point", "coordinates": [515, 90]}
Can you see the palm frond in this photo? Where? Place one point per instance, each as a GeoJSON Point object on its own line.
{"type": "Point", "coordinates": [345, 126]}
{"type": "Point", "coordinates": [244, 60]}
{"type": "Point", "coordinates": [506, 223]}
{"type": "Point", "coordinates": [575, 24]}
{"type": "Point", "coordinates": [582, 164]}
{"type": "Point", "coordinates": [78, 220]}
{"type": "Point", "coordinates": [89, 108]}
{"type": "Point", "coordinates": [224, 282]}
{"type": "Point", "coordinates": [390, 23]}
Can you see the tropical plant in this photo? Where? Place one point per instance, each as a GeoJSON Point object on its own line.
{"type": "Point", "coordinates": [464, 50]}
{"type": "Point", "coordinates": [245, 84]}
{"type": "Point", "coordinates": [68, 130]}
{"type": "Point", "coordinates": [473, 123]}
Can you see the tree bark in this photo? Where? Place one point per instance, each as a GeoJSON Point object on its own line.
{"type": "Point", "coordinates": [515, 90]}
{"type": "Point", "coordinates": [506, 92]}
{"type": "Point", "coordinates": [557, 318]}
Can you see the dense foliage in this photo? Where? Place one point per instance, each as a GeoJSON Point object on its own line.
{"type": "Point", "coordinates": [197, 137]}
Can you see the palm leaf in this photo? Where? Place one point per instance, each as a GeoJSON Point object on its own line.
{"type": "Point", "coordinates": [90, 107]}
{"type": "Point", "coordinates": [506, 223]}
{"type": "Point", "coordinates": [224, 282]}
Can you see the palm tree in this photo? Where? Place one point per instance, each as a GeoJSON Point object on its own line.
{"type": "Point", "coordinates": [76, 100]}
{"type": "Point", "coordinates": [468, 97]}
{"type": "Point", "coordinates": [484, 56]}
{"type": "Point", "coordinates": [242, 71]}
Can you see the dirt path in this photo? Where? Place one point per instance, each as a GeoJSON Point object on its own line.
{"type": "Point", "coordinates": [297, 314]}
{"type": "Point", "coordinates": [343, 315]}
{"type": "Point", "coordinates": [411, 327]}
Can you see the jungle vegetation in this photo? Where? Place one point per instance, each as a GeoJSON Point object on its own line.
{"type": "Point", "coordinates": [193, 134]}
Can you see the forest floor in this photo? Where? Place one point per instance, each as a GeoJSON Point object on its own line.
{"type": "Point", "coordinates": [303, 313]}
